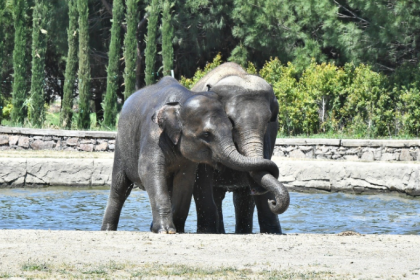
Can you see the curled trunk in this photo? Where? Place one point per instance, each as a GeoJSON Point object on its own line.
{"type": "Point", "coordinates": [231, 158]}
{"type": "Point", "coordinates": [253, 146]}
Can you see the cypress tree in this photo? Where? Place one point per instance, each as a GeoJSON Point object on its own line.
{"type": "Point", "coordinates": [71, 67]}
{"type": "Point", "coordinates": [150, 52]}
{"type": "Point", "coordinates": [130, 44]}
{"type": "Point", "coordinates": [1, 56]}
{"type": "Point", "coordinates": [39, 47]}
{"type": "Point", "coordinates": [83, 120]}
{"type": "Point", "coordinates": [167, 35]}
{"type": "Point", "coordinates": [20, 61]}
{"type": "Point", "coordinates": [110, 102]}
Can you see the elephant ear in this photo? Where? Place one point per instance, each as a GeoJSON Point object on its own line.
{"type": "Point", "coordinates": [168, 119]}
{"type": "Point", "coordinates": [274, 108]}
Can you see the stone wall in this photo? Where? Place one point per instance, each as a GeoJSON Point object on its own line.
{"type": "Point", "coordinates": [345, 176]}
{"type": "Point", "coordinates": [19, 172]}
{"type": "Point", "coordinates": [348, 149]}
{"type": "Point", "coordinates": [297, 148]}
{"type": "Point", "coordinates": [12, 138]}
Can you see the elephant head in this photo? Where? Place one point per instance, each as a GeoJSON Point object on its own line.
{"type": "Point", "coordinates": [202, 132]}
{"type": "Point", "coordinates": [252, 108]}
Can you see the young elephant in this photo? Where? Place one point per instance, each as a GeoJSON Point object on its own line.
{"type": "Point", "coordinates": [164, 131]}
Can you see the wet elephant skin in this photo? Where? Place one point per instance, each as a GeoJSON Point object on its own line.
{"type": "Point", "coordinates": [164, 132]}
{"type": "Point", "coordinates": [252, 107]}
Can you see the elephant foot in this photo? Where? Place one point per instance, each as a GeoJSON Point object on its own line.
{"type": "Point", "coordinates": [163, 227]}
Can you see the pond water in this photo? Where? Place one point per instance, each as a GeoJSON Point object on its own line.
{"type": "Point", "coordinates": [58, 208]}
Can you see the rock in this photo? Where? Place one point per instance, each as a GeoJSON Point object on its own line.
{"type": "Point", "coordinates": [305, 148]}
{"type": "Point", "coordinates": [368, 156]}
{"type": "Point", "coordinates": [4, 139]}
{"type": "Point", "coordinates": [388, 157]}
{"type": "Point", "coordinates": [12, 172]}
{"type": "Point", "coordinates": [37, 137]}
{"type": "Point", "coordinates": [47, 138]}
{"type": "Point", "coordinates": [58, 145]}
{"type": "Point", "coordinates": [13, 140]}
{"type": "Point", "coordinates": [405, 155]}
{"type": "Point", "coordinates": [86, 147]}
{"type": "Point", "coordinates": [23, 142]}
{"type": "Point", "coordinates": [72, 141]}
{"type": "Point", "coordinates": [101, 147]}
{"type": "Point", "coordinates": [351, 157]}
{"type": "Point", "coordinates": [352, 151]}
{"type": "Point", "coordinates": [111, 147]}
{"type": "Point", "coordinates": [59, 172]}
{"type": "Point", "coordinates": [310, 154]}
{"type": "Point", "coordinates": [111, 142]}
{"type": "Point", "coordinates": [86, 141]}
{"type": "Point", "coordinates": [41, 145]}
{"type": "Point", "coordinates": [377, 154]}
{"type": "Point", "coordinates": [278, 153]}
{"type": "Point", "coordinates": [296, 154]}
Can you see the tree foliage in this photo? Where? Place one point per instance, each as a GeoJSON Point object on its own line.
{"type": "Point", "coordinates": [150, 53]}
{"type": "Point", "coordinates": [167, 36]}
{"type": "Point", "coordinates": [83, 120]}
{"type": "Point", "coordinates": [71, 67]}
{"type": "Point", "coordinates": [130, 48]}
{"type": "Point", "coordinates": [40, 29]}
{"type": "Point", "coordinates": [20, 61]}
{"type": "Point", "coordinates": [110, 102]}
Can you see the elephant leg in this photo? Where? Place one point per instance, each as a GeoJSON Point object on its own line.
{"type": "Point", "coordinates": [121, 188]}
{"type": "Point", "coordinates": [269, 222]}
{"type": "Point", "coordinates": [152, 175]}
{"type": "Point", "coordinates": [244, 210]}
{"type": "Point", "coordinates": [183, 184]}
{"type": "Point", "coordinates": [207, 212]}
{"type": "Point", "coordinates": [219, 195]}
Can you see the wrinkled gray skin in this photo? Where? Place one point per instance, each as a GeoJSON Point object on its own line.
{"type": "Point", "coordinates": [164, 131]}
{"type": "Point", "coordinates": [252, 107]}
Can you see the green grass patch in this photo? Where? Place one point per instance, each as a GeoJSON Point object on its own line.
{"type": "Point", "coordinates": [114, 270]}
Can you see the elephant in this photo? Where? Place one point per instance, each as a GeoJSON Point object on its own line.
{"type": "Point", "coordinates": [164, 132]}
{"type": "Point", "coordinates": [252, 107]}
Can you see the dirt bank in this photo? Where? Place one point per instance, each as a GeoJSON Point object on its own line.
{"type": "Point", "coordinates": [52, 254]}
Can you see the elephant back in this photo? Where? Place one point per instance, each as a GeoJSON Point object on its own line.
{"type": "Point", "coordinates": [220, 72]}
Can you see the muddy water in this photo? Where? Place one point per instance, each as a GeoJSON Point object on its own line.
{"type": "Point", "coordinates": [82, 209]}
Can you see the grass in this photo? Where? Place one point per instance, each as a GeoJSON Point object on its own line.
{"type": "Point", "coordinates": [113, 270]}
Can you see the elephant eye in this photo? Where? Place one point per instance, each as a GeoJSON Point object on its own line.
{"type": "Point", "coordinates": [206, 135]}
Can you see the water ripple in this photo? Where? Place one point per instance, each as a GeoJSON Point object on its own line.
{"type": "Point", "coordinates": [82, 209]}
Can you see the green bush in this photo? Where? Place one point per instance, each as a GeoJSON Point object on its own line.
{"type": "Point", "coordinates": [351, 100]}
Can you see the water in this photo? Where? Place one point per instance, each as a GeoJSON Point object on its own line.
{"type": "Point", "coordinates": [82, 209]}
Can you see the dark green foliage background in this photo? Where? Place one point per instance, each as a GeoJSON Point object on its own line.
{"type": "Point", "coordinates": [369, 81]}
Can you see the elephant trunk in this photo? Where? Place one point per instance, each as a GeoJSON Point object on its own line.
{"type": "Point", "coordinates": [231, 158]}
{"type": "Point", "coordinates": [252, 146]}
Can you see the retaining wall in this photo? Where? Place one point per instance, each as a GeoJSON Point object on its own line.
{"type": "Point", "coordinates": [12, 138]}
{"type": "Point", "coordinates": [355, 177]}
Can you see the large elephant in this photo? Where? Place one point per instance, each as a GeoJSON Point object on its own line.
{"type": "Point", "coordinates": [252, 107]}
{"type": "Point", "coordinates": [164, 131]}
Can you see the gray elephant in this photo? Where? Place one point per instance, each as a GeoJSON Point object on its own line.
{"type": "Point", "coordinates": [252, 107]}
{"type": "Point", "coordinates": [164, 131]}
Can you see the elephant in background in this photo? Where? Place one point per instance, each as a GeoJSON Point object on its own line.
{"type": "Point", "coordinates": [252, 107]}
{"type": "Point", "coordinates": [164, 131]}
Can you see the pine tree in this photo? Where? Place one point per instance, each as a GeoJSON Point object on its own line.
{"type": "Point", "coordinates": [150, 52]}
{"type": "Point", "coordinates": [130, 45]}
{"type": "Point", "coordinates": [20, 61]}
{"type": "Point", "coordinates": [167, 35]}
{"type": "Point", "coordinates": [83, 120]}
{"type": "Point", "coordinates": [39, 48]}
{"type": "Point", "coordinates": [110, 102]}
{"type": "Point", "coordinates": [71, 67]}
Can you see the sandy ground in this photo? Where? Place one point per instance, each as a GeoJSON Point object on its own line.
{"type": "Point", "coordinates": [51, 254]}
